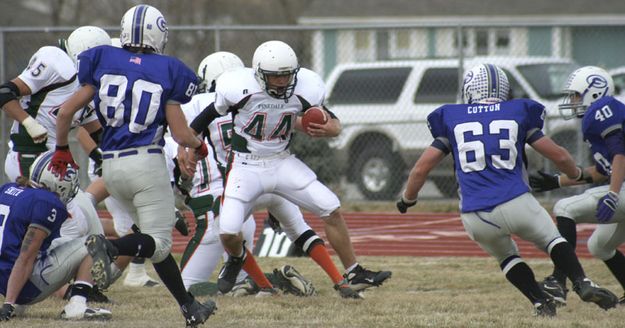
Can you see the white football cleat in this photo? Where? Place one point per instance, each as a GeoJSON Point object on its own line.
{"type": "Point", "coordinates": [80, 311]}
{"type": "Point", "coordinates": [132, 280]}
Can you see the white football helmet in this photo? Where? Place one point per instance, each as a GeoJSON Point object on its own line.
{"type": "Point", "coordinates": [485, 84]}
{"type": "Point", "coordinates": [276, 58]}
{"type": "Point", "coordinates": [42, 176]}
{"type": "Point", "coordinates": [214, 65]}
{"type": "Point", "coordinates": [584, 86]}
{"type": "Point", "coordinates": [83, 38]}
{"type": "Point", "coordinates": [144, 26]}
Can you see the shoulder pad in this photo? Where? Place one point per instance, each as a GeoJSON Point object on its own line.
{"type": "Point", "coordinates": [237, 84]}
{"type": "Point", "coordinates": [310, 86]}
{"type": "Point", "coordinates": [56, 58]}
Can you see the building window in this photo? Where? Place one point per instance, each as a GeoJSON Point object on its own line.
{"type": "Point", "coordinates": [363, 42]}
{"type": "Point", "coordinates": [502, 42]}
{"type": "Point", "coordinates": [481, 42]}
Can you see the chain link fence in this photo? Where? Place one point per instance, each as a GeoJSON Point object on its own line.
{"type": "Point", "coordinates": [382, 81]}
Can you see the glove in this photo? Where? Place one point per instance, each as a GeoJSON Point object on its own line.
{"type": "Point", "coordinates": [35, 130]}
{"type": "Point", "coordinates": [606, 207]}
{"type": "Point", "coordinates": [290, 281]}
{"type": "Point", "coordinates": [6, 312]}
{"type": "Point", "coordinates": [542, 181]}
{"type": "Point", "coordinates": [96, 156]}
{"type": "Point", "coordinates": [403, 205]}
{"type": "Point", "coordinates": [201, 151]}
{"type": "Point", "coordinates": [61, 158]}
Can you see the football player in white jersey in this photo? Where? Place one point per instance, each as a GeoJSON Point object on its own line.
{"type": "Point", "coordinates": [205, 248]}
{"type": "Point", "coordinates": [264, 102]}
{"type": "Point", "coordinates": [33, 98]}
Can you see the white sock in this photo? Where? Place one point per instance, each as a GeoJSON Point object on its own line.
{"type": "Point", "coordinates": [78, 299]}
{"type": "Point", "coordinates": [136, 269]}
{"type": "Point", "coordinates": [348, 270]}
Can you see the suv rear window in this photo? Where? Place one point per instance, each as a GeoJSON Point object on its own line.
{"type": "Point", "coordinates": [369, 86]}
{"type": "Point", "coordinates": [438, 85]}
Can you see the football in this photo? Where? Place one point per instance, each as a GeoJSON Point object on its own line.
{"type": "Point", "coordinates": [314, 115]}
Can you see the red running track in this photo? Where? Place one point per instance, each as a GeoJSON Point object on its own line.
{"type": "Point", "coordinates": [413, 234]}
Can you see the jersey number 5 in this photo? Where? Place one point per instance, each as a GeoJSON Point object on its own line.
{"type": "Point", "coordinates": [477, 149]}
{"type": "Point", "coordinates": [144, 105]}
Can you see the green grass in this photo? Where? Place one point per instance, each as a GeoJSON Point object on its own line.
{"type": "Point", "coordinates": [423, 292]}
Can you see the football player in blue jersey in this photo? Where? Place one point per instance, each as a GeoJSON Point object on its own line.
{"type": "Point", "coordinates": [486, 137]}
{"type": "Point", "coordinates": [588, 96]}
{"type": "Point", "coordinates": [137, 93]}
{"type": "Point", "coordinates": [31, 266]}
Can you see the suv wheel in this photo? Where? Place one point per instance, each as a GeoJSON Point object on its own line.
{"type": "Point", "coordinates": [379, 173]}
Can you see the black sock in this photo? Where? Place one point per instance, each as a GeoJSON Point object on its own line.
{"type": "Point", "coordinates": [138, 260]}
{"type": "Point", "coordinates": [617, 266]}
{"type": "Point", "coordinates": [568, 231]}
{"type": "Point", "coordinates": [169, 273]}
{"type": "Point", "coordinates": [80, 289]}
{"type": "Point", "coordinates": [135, 244]}
{"type": "Point", "coordinates": [564, 258]}
{"type": "Point", "coordinates": [522, 277]}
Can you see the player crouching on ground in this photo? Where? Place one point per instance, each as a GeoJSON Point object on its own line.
{"type": "Point", "coordinates": [32, 212]}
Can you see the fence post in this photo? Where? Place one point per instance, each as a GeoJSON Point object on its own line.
{"type": "Point", "coordinates": [4, 118]}
{"type": "Point", "coordinates": [460, 37]}
{"type": "Point", "coordinates": [217, 39]}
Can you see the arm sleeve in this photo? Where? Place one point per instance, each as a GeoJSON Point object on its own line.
{"type": "Point", "coordinates": [42, 71]}
{"type": "Point", "coordinates": [615, 141]}
{"type": "Point", "coordinates": [85, 68]}
{"type": "Point", "coordinates": [201, 122]}
{"type": "Point", "coordinates": [185, 84]}
{"type": "Point", "coordinates": [535, 120]}
{"type": "Point", "coordinates": [48, 215]}
{"type": "Point", "coordinates": [436, 124]}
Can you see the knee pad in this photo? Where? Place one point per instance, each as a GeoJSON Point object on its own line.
{"type": "Point", "coordinates": [599, 250]}
{"type": "Point", "coordinates": [559, 209]}
{"type": "Point", "coordinates": [307, 240]}
{"type": "Point", "coordinates": [162, 249]}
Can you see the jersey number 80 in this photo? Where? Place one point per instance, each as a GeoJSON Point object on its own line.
{"type": "Point", "coordinates": [145, 102]}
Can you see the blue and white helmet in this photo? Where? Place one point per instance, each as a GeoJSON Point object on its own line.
{"type": "Point", "coordinates": [485, 83]}
{"type": "Point", "coordinates": [584, 86]}
{"type": "Point", "coordinates": [144, 26]}
{"type": "Point", "coordinates": [42, 176]}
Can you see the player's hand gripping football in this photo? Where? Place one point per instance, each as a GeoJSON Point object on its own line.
{"type": "Point", "coordinates": [61, 158]}
{"type": "Point", "coordinates": [606, 207]}
{"type": "Point", "coordinates": [403, 204]}
{"type": "Point", "coordinates": [542, 181]}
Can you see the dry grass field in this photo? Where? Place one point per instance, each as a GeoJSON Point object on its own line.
{"type": "Point", "coordinates": [423, 292]}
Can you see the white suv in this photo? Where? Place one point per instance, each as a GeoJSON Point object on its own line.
{"type": "Point", "coordinates": [383, 108]}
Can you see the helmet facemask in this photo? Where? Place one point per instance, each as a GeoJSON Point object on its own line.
{"type": "Point", "coordinates": [584, 86]}
{"type": "Point", "coordinates": [282, 90]}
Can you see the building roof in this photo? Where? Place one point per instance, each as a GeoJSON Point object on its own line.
{"type": "Point", "coordinates": [350, 11]}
